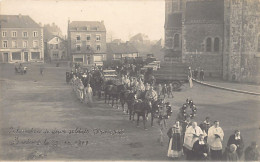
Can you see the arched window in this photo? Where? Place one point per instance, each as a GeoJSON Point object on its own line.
{"type": "Point", "coordinates": [216, 45]}
{"type": "Point", "coordinates": [176, 41]}
{"type": "Point", "coordinates": [208, 45]}
{"type": "Point", "coordinates": [258, 45]}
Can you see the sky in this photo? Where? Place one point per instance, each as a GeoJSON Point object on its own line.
{"type": "Point", "coordinates": [122, 18]}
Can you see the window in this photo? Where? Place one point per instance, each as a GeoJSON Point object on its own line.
{"type": "Point", "coordinates": [16, 56]}
{"type": "Point", "coordinates": [25, 44]}
{"type": "Point", "coordinates": [35, 44]}
{"type": "Point", "coordinates": [25, 34]}
{"type": "Point", "coordinates": [216, 45]}
{"type": "Point", "coordinates": [88, 47]}
{"type": "Point", "coordinates": [176, 41]}
{"type": "Point", "coordinates": [208, 45]}
{"type": "Point", "coordinates": [78, 47]}
{"type": "Point", "coordinates": [14, 34]}
{"type": "Point", "coordinates": [98, 47]}
{"type": "Point", "coordinates": [51, 46]}
{"type": "Point", "coordinates": [5, 44]}
{"type": "Point", "coordinates": [55, 55]}
{"type": "Point", "coordinates": [78, 37]}
{"type": "Point", "coordinates": [258, 45]}
{"type": "Point", "coordinates": [88, 38]}
{"type": "Point", "coordinates": [4, 34]}
{"type": "Point", "coordinates": [35, 55]}
{"type": "Point", "coordinates": [57, 46]}
{"type": "Point", "coordinates": [35, 34]}
{"type": "Point", "coordinates": [97, 37]}
{"type": "Point", "coordinates": [14, 44]}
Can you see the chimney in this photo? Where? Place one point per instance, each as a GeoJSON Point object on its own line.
{"type": "Point", "coordinates": [102, 21]}
{"type": "Point", "coordinates": [20, 15]}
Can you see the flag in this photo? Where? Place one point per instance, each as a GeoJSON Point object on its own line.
{"type": "Point", "coordinates": [190, 81]}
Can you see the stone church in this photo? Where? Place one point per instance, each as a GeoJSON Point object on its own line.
{"type": "Point", "coordinates": [220, 36]}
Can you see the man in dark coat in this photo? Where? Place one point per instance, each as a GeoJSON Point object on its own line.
{"type": "Point", "coordinates": [237, 139]}
{"type": "Point", "coordinates": [200, 149]}
{"type": "Point", "coordinates": [205, 125]}
{"type": "Point", "coordinates": [251, 152]}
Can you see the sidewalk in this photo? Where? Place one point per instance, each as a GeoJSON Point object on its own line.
{"type": "Point", "coordinates": [241, 87]}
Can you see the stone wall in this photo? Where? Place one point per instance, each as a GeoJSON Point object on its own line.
{"type": "Point", "coordinates": [194, 52]}
{"type": "Point", "coordinates": [241, 34]}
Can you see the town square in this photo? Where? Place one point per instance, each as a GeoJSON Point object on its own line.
{"type": "Point", "coordinates": [95, 93]}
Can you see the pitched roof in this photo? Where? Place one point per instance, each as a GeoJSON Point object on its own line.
{"type": "Point", "coordinates": [205, 11]}
{"type": "Point", "coordinates": [54, 36]}
{"type": "Point", "coordinates": [17, 21]}
{"type": "Point", "coordinates": [121, 48]}
{"type": "Point", "coordinates": [174, 20]}
{"type": "Point", "coordinates": [87, 25]}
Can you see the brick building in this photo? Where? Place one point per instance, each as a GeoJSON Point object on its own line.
{"type": "Point", "coordinates": [87, 42]}
{"type": "Point", "coordinates": [21, 39]}
{"type": "Point", "coordinates": [219, 36]}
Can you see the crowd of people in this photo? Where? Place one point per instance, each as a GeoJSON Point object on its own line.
{"type": "Point", "coordinates": [186, 138]}
{"type": "Point", "coordinates": [205, 142]}
{"type": "Point", "coordinates": [198, 74]}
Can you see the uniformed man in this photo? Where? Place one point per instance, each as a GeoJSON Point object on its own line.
{"type": "Point", "coordinates": [151, 95]}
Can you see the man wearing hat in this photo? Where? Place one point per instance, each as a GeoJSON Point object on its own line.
{"type": "Point", "coordinates": [237, 139]}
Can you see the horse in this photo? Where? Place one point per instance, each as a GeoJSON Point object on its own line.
{"type": "Point", "coordinates": [127, 97]}
{"type": "Point", "coordinates": [113, 91]}
{"type": "Point", "coordinates": [141, 109]}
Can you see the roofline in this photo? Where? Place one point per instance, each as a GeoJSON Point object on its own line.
{"type": "Point", "coordinates": [20, 28]}
{"type": "Point", "coordinates": [87, 30]}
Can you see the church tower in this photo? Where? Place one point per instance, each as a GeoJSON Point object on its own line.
{"type": "Point", "coordinates": [173, 29]}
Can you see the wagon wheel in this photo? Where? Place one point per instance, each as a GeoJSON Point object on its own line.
{"type": "Point", "coordinates": [176, 85]}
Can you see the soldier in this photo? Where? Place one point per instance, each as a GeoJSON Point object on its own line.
{"type": "Point", "coordinates": [151, 95]}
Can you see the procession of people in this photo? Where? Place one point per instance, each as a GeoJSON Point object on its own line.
{"type": "Point", "coordinates": [205, 142]}
{"type": "Point", "coordinates": [187, 139]}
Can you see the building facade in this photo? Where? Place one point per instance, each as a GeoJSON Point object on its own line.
{"type": "Point", "coordinates": [21, 39]}
{"type": "Point", "coordinates": [120, 51]}
{"type": "Point", "coordinates": [57, 48]}
{"type": "Point", "coordinates": [219, 36]}
{"type": "Point", "coordinates": [87, 42]}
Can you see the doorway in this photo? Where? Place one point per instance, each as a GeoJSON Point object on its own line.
{"type": "Point", "coordinates": [26, 56]}
{"type": "Point", "coordinates": [5, 57]}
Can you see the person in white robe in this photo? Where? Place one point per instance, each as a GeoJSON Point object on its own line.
{"type": "Point", "coordinates": [88, 95]}
{"type": "Point", "coordinates": [192, 134]}
{"type": "Point", "coordinates": [215, 139]}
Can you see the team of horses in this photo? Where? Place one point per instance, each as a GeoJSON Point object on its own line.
{"type": "Point", "coordinates": [132, 103]}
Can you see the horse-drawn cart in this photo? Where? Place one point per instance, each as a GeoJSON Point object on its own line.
{"type": "Point", "coordinates": [175, 73]}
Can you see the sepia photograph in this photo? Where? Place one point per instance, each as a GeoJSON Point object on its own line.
{"type": "Point", "coordinates": [129, 80]}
